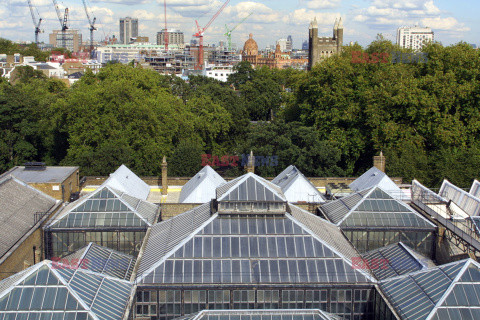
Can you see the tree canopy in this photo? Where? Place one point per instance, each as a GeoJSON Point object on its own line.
{"type": "Point", "coordinates": [423, 115]}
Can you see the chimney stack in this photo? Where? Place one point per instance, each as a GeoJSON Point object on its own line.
{"type": "Point", "coordinates": [379, 162]}
{"type": "Point", "coordinates": [164, 176]}
{"type": "Point", "coordinates": [251, 163]}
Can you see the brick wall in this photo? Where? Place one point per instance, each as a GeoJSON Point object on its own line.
{"type": "Point", "coordinates": [71, 184]}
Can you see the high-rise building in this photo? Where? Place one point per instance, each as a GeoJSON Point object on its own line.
{"type": "Point", "coordinates": [128, 29]}
{"type": "Point", "coordinates": [289, 43]}
{"type": "Point", "coordinates": [70, 40]}
{"type": "Point", "coordinates": [414, 37]}
{"type": "Point", "coordinates": [305, 45]}
{"type": "Point", "coordinates": [283, 44]}
{"type": "Point", "coordinates": [174, 37]}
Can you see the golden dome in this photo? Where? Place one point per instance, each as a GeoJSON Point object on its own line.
{"type": "Point", "coordinates": [250, 48]}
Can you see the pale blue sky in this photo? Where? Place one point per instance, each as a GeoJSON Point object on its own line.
{"type": "Point", "coordinates": [452, 21]}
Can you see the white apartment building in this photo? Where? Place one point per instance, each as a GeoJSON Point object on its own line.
{"type": "Point", "coordinates": [414, 37]}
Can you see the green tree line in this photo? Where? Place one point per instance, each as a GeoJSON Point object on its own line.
{"type": "Point", "coordinates": [329, 121]}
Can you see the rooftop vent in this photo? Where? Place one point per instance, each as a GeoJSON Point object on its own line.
{"type": "Point", "coordinates": [35, 166]}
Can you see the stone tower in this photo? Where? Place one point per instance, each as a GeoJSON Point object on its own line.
{"type": "Point", "coordinates": [320, 48]}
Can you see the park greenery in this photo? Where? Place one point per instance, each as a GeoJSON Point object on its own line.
{"type": "Point", "coordinates": [329, 121]}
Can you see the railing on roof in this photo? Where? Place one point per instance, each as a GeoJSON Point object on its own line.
{"type": "Point", "coordinates": [438, 208]}
{"type": "Point", "coordinates": [38, 216]}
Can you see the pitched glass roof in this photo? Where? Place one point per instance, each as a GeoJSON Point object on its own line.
{"type": "Point", "coordinates": [376, 178]}
{"type": "Point", "coordinates": [446, 292]}
{"type": "Point", "coordinates": [466, 201]}
{"type": "Point", "coordinates": [125, 180]}
{"type": "Point", "coordinates": [286, 314]}
{"type": "Point", "coordinates": [373, 208]}
{"type": "Point", "coordinates": [55, 292]}
{"type": "Point", "coordinates": [392, 261]}
{"type": "Point", "coordinates": [250, 187]}
{"type": "Point", "coordinates": [296, 187]}
{"type": "Point", "coordinates": [475, 189]}
{"type": "Point", "coordinates": [251, 250]}
{"type": "Point", "coordinates": [165, 235]}
{"type": "Point", "coordinates": [103, 260]}
{"type": "Point", "coordinates": [202, 187]}
{"type": "Point", "coordinates": [106, 207]}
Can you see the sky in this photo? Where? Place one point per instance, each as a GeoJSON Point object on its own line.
{"type": "Point", "coordinates": [452, 21]}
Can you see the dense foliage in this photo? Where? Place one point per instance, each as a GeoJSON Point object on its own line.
{"type": "Point", "coordinates": [330, 121]}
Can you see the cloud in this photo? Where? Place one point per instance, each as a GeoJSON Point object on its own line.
{"type": "Point", "coordinates": [302, 17]}
{"type": "Point", "coordinates": [261, 13]}
{"type": "Point", "coordinates": [447, 24]}
{"type": "Point", "coordinates": [322, 4]}
{"type": "Point", "coordinates": [393, 14]}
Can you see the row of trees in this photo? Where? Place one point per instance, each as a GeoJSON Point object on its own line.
{"type": "Point", "coordinates": [329, 121]}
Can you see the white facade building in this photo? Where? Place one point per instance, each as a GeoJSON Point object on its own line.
{"type": "Point", "coordinates": [220, 73]}
{"type": "Point", "coordinates": [414, 37]}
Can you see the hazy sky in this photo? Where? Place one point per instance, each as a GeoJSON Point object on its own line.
{"type": "Point", "coordinates": [452, 21]}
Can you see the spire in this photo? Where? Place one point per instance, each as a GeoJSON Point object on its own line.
{"type": "Point", "coordinates": [340, 23]}
{"type": "Point", "coordinates": [335, 26]}
{"type": "Point", "coordinates": [310, 26]}
{"type": "Point", "coordinates": [315, 23]}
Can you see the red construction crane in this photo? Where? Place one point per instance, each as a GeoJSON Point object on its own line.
{"type": "Point", "coordinates": [200, 33]}
{"type": "Point", "coordinates": [166, 31]}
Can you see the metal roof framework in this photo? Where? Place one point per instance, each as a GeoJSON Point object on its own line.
{"type": "Point", "coordinates": [248, 250]}
{"type": "Point", "coordinates": [105, 208]}
{"type": "Point", "coordinates": [277, 314]}
{"type": "Point", "coordinates": [53, 290]}
{"type": "Point", "coordinates": [374, 209]}
{"type": "Point", "coordinates": [466, 201]}
{"type": "Point", "coordinates": [445, 292]}
{"type": "Point", "coordinates": [103, 260]}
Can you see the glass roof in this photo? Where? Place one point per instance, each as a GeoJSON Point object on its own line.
{"type": "Point", "coordinates": [373, 208]}
{"type": "Point", "coordinates": [296, 187]}
{"type": "Point", "coordinates": [376, 178]}
{"type": "Point", "coordinates": [252, 250]}
{"type": "Point", "coordinates": [475, 189]}
{"type": "Point", "coordinates": [106, 207]}
{"type": "Point", "coordinates": [467, 202]}
{"type": "Point", "coordinates": [250, 187]}
{"type": "Point", "coordinates": [202, 187]}
{"type": "Point", "coordinates": [56, 292]}
{"type": "Point", "coordinates": [392, 261]}
{"type": "Point", "coordinates": [286, 314]}
{"type": "Point", "coordinates": [442, 292]}
{"type": "Point", "coordinates": [104, 260]}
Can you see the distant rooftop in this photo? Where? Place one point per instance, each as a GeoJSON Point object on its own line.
{"type": "Point", "coordinates": [46, 175]}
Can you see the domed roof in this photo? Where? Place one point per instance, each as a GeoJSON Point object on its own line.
{"type": "Point", "coordinates": [251, 47]}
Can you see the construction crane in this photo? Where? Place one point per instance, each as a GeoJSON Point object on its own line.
{"type": "Point", "coordinates": [92, 27]}
{"type": "Point", "coordinates": [35, 22]}
{"type": "Point", "coordinates": [63, 22]}
{"type": "Point", "coordinates": [229, 31]}
{"type": "Point", "coordinates": [200, 34]}
{"type": "Point", "coordinates": [166, 30]}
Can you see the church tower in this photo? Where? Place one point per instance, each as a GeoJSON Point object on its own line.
{"type": "Point", "coordinates": [313, 44]}
{"type": "Point", "coordinates": [339, 37]}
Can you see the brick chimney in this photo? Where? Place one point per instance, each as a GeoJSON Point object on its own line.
{"type": "Point", "coordinates": [164, 176]}
{"type": "Point", "coordinates": [379, 162]}
{"type": "Point", "coordinates": [251, 163]}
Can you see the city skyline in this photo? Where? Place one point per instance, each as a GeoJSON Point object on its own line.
{"type": "Point", "coordinates": [270, 21]}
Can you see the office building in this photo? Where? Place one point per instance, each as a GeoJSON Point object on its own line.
{"type": "Point", "coordinates": [70, 39]}
{"type": "Point", "coordinates": [414, 37]}
{"type": "Point", "coordinates": [128, 29]}
{"type": "Point", "coordinates": [174, 37]}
